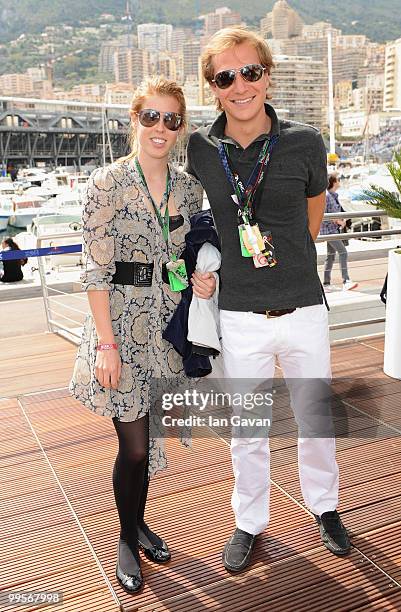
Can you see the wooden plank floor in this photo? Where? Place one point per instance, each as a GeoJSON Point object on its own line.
{"type": "Point", "coordinates": [59, 526]}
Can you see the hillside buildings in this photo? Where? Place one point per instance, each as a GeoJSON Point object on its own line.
{"type": "Point", "coordinates": [366, 75]}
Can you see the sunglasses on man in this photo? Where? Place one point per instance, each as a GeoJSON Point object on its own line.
{"type": "Point", "coordinates": [250, 73]}
{"type": "Point", "coordinates": [148, 117]}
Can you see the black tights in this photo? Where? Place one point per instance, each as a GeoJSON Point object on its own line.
{"type": "Point", "coordinates": [131, 482]}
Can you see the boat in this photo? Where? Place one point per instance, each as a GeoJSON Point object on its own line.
{"type": "Point", "coordinates": [54, 225]}
{"type": "Point", "coordinates": [35, 176]}
{"type": "Point", "coordinates": [78, 182]}
{"type": "Point", "coordinates": [6, 206]}
{"type": "Point", "coordinates": [66, 203]}
{"type": "Point", "coordinates": [6, 209]}
{"type": "Point", "coordinates": [26, 208]}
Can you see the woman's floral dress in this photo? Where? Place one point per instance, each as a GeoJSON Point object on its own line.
{"type": "Point", "coordinates": [119, 225]}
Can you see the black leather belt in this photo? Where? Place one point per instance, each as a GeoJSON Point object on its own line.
{"type": "Point", "coordinates": [133, 273]}
{"type": "Point", "coordinates": [274, 313]}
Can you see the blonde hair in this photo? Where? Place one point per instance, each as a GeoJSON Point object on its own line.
{"type": "Point", "coordinates": [226, 39]}
{"type": "Point", "coordinates": [153, 86]}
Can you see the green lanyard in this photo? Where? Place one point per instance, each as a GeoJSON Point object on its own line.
{"type": "Point", "coordinates": [164, 220]}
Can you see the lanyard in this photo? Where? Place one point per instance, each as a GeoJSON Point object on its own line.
{"type": "Point", "coordinates": [164, 220]}
{"type": "Point", "coordinates": [245, 194]}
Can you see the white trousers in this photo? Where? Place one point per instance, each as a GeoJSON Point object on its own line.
{"type": "Point", "coordinates": [250, 344]}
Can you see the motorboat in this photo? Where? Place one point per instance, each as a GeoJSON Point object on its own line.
{"type": "Point", "coordinates": [41, 191]}
{"type": "Point", "coordinates": [78, 182]}
{"type": "Point", "coordinates": [26, 208]}
{"type": "Point", "coordinates": [35, 176]}
{"type": "Point", "coordinates": [66, 203]}
{"type": "Point", "coordinates": [60, 182]}
{"type": "Point", "coordinates": [55, 225]}
{"type": "Point", "coordinates": [6, 207]}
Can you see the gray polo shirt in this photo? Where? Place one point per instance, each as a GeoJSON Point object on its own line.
{"type": "Point", "coordinates": [297, 170]}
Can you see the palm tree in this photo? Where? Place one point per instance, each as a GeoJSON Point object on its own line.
{"type": "Point", "coordinates": [384, 199]}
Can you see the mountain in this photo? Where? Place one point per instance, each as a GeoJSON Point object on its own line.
{"type": "Point", "coordinates": [380, 21]}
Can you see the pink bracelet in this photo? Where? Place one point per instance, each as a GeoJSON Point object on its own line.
{"type": "Point", "coordinates": [106, 347]}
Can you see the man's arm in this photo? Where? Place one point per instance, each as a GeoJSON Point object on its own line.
{"type": "Point", "coordinates": [316, 208]}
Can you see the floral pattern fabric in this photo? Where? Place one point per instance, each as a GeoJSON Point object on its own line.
{"type": "Point", "coordinates": [119, 224]}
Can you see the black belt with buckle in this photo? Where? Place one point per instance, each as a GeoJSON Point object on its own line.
{"type": "Point", "coordinates": [133, 273]}
{"type": "Point", "coordinates": [274, 313]}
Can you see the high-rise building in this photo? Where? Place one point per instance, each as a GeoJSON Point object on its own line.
{"type": "Point", "coordinates": [343, 94]}
{"type": "Point", "coordinates": [179, 37]}
{"type": "Point", "coordinates": [222, 18]}
{"type": "Point", "coordinates": [191, 53]}
{"type": "Point", "coordinates": [392, 76]}
{"type": "Point", "coordinates": [347, 61]}
{"type": "Point", "coordinates": [155, 37]}
{"type": "Point", "coordinates": [348, 57]}
{"type": "Point", "coordinates": [369, 97]}
{"type": "Point", "coordinates": [166, 66]}
{"type": "Point", "coordinates": [131, 66]}
{"type": "Point", "coordinates": [282, 22]}
{"type": "Point", "coordinates": [319, 30]}
{"type": "Point", "coordinates": [109, 48]}
{"type": "Point", "coordinates": [300, 86]}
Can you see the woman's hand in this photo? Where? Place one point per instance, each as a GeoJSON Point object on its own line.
{"type": "Point", "coordinates": [108, 368]}
{"type": "Point", "coordinates": [203, 284]}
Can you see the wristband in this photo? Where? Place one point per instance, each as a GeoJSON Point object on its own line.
{"type": "Point", "coordinates": [106, 347]}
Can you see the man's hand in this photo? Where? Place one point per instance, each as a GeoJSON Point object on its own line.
{"type": "Point", "coordinates": [203, 285]}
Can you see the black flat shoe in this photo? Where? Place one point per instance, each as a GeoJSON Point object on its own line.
{"type": "Point", "coordinates": [132, 582]}
{"type": "Point", "coordinates": [154, 548]}
{"type": "Point", "coordinates": [158, 554]}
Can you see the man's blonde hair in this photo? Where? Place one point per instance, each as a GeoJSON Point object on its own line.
{"type": "Point", "coordinates": [226, 39]}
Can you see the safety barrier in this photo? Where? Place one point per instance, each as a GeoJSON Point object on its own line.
{"type": "Point", "coordinates": [66, 319]}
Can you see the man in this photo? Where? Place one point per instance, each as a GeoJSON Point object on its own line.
{"type": "Point", "coordinates": [257, 169]}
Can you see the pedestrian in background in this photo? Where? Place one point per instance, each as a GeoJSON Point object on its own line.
{"type": "Point", "coordinates": [333, 226]}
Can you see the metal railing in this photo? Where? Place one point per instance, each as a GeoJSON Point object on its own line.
{"type": "Point", "coordinates": [56, 320]}
{"type": "Point", "coordinates": [363, 214]}
{"type": "Point", "coordinates": [52, 304]}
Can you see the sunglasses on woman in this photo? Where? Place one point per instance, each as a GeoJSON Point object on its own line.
{"type": "Point", "coordinates": [250, 72]}
{"type": "Point", "coordinates": [148, 117]}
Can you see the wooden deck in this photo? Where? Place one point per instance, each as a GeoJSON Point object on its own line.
{"type": "Point", "coordinates": [59, 526]}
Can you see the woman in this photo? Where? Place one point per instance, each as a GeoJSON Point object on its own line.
{"type": "Point", "coordinates": [12, 268]}
{"type": "Point", "coordinates": [135, 219]}
{"type": "Point", "coordinates": [335, 246]}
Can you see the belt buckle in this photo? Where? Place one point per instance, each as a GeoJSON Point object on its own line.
{"type": "Point", "coordinates": [142, 274]}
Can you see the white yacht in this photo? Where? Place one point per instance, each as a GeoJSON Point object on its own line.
{"type": "Point", "coordinates": [6, 207]}
{"type": "Point", "coordinates": [35, 176]}
{"type": "Point", "coordinates": [53, 225]}
{"type": "Point", "coordinates": [26, 208]}
{"type": "Point", "coordinates": [66, 203]}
